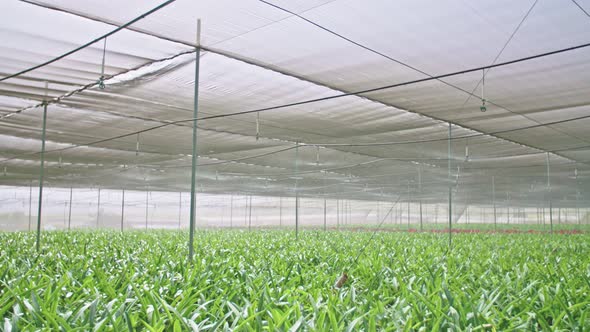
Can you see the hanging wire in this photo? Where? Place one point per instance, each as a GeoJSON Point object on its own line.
{"type": "Point", "coordinates": [137, 145]}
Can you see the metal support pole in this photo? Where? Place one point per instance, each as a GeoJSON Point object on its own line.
{"type": "Point", "coordinates": [338, 214]}
{"type": "Point", "coordinates": [147, 193]}
{"type": "Point", "coordinates": [325, 214]}
{"type": "Point", "coordinates": [508, 212]}
{"type": "Point", "coordinates": [550, 217]}
{"type": "Point", "coordinates": [246, 212]}
{"type": "Point", "coordinates": [420, 200]}
{"type": "Point", "coordinates": [250, 215]}
{"type": "Point", "coordinates": [179, 209]}
{"type": "Point", "coordinates": [231, 211]}
{"type": "Point", "coordinates": [41, 170]}
{"type": "Point", "coordinates": [408, 205]}
{"type": "Point", "coordinates": [549, 191]}
{"type": "Point", "coordinates": [70, 212]}
{"type": "Point", "coordinates": [193, 211]}
{"type": "Point", "coordinates": [30, 202]}
{"type": "Point", "coordinates": [122, 208]}
{"type": "Point", "coordinates": [494, 203]}
{"type": "Point", "coordinates": [296, 216]}
{"type": "Point", "coordinates": [449, 153]}
{"type": "Point", "coordinates": [296, 191]}
{"type": "Point", "coordinates": [280, 211]}
{"type": "Point", "coordinates": [98, 210]}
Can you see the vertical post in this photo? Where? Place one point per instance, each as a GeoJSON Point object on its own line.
{"type": "Point", "coordinates": [70, 212]}
{"type": "Point", "coordinates": [231, 211]}
{"type": "Point", "coordinates": [98, 210]}
{"type": "Point", "coordinates": [325, 214]}
{"type": "Point", "coordinates": [420, 193]}
{"type": "Point", "coordinates": [379, 210]}
{"type": "Point", "coordinates": [494, 202]}
{"type": "Point", "coordinates": [549, 193]}
{"type": "Point", "coordinates": [122, 209]}
{"type": "Point", "coordinates": [147, 193]}
{"type": "Point", "coordinates": [296, 191]}
{"type": "Point", "coordinates": [449, 152]}
{"type": "Point", "coordinates": [194, 156]}
{"type": "Point", "coordinates": [281, 211]}
{"type": "Point", "coordinates": [436, 213]}
{"type": "Point", "coordinates": [338, 214]}
{"type": "Point", "coordinates": [408, 205]}
{"type": "Point", "coordinates": [296, 216]}
{"type": "Point", "coordinates": [246, 212]}
{"type": "Point", "coordinates": [41, 169]}
{"type": "Point", "coordinates": [30, 202]}
{"type": "Point", "coordinates": [550, 217]}
{"type": "Point", "coordinates": [250, 215]}
{"type": "Point", "coordinates": [179, 209]}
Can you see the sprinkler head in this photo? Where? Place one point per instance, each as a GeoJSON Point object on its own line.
{"type": "Point", "coordinates": [483, 106]}
{"type": "Point", "coordinates": [101, 83]}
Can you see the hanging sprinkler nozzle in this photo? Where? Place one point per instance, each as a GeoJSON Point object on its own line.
{"type": "Point", "coordinates": [483, 108]}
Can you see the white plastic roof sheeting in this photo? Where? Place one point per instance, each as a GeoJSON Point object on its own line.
{"type": "Point", "coordinates": [256, 56]}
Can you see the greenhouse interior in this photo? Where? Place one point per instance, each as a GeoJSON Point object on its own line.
{"type": "Point", "coordinates": [309, 165]}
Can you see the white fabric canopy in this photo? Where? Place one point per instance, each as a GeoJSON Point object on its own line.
{"type": "Point", "coordinates": [366, 146]}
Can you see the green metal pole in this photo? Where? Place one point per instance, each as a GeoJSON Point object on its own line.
{"type": "Point", "coordinates": [549, 190]}
{"type": "Point", "coordinates": [231, 211]}
{"type": "Point", "coordinates": [98, 210]}
{"type": "Point", "coordinates": [179, 209]}
{"type": "Point", "coordinates": [70, 212]}
{"type": "Point", "coordinates": [494, 203]}
{"type": "Point", "coordinates": [325, 228]}
{"type": "Point", "coordinates": [280, 211]}
{"type": "Point", "coordinates": [250, 215]}
{"type": "Point", "coordinates": [122, 209]}
{"type": "Point", "coordinates": [41, 173]}
{"type": "Point", "coordinates": [338, 214]}
{"type": "Point", "coordinates": [408, 219]}
{"type": "Point", "coordinates": [191, 249]}
{"type": "Point", "coordinates": [420, 191]}
{"type": "Point", "coordinates": [296, 191]}
{"type": "Point", "coordinates": [550, 217]}
{"type": "Point", "coordinates": [449, 153]}
{"type": "Point", "coordinates": [147, 193]}
{"type": "Point", "coordinates": [30, 202]}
